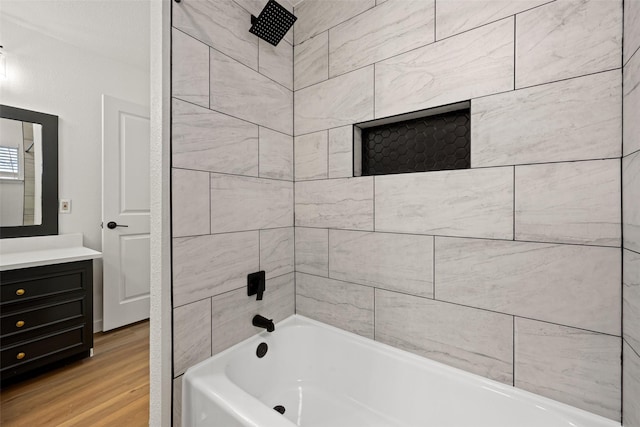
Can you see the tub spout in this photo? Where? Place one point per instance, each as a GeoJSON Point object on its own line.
{"type": "Point", "coordinates": [263, 322]}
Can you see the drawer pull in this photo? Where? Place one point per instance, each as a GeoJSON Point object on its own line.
{"type": "Point", "coordinates": [20, 356]}
{"type": "Point", "coordinates": [20, 292]}
{"type": "Point", "coordinates": [19, 323]}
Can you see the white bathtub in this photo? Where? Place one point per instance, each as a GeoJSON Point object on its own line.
{"type": "Point", "coordinates": [327, 377]}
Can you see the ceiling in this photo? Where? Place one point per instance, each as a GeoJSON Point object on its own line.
{"type": "Point", "coordinates": [116, 29]}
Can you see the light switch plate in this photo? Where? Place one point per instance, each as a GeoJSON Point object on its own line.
{"type": "Point", "coordinates": [65, 206]}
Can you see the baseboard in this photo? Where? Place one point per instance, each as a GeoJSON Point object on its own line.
{"type": "Point", "coordinates": [97, 326]}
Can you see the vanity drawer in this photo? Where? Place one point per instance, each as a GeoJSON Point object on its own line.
{"type": "Point", "coordinates": [43, 347]}
{"type": "Point", "coordinates": [30, 283]}
{"type": "Point", "coordinates": [41, 316]}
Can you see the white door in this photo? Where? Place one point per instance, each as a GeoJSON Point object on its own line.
{"type": "Point", "coordinates": [125, 212]}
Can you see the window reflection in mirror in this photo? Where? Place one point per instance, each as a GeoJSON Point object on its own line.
{"type": "Point", "coordinates": [20, 173]}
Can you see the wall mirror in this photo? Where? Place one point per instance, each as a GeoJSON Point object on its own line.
{"type": "Point", "coordinates": [28, 173]}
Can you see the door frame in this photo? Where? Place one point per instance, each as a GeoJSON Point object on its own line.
{"type": "Point", "coordinates": [161, 381]}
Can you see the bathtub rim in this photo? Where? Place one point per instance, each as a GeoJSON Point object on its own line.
{"type": "Point", "coordinates": [259, 409]}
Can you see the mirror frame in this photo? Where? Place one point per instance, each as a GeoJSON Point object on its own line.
{"type": "Point", "coordinates": [49, 124]}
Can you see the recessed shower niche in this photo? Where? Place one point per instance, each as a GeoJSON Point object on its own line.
{"type": "Point", "coordinates": [427, 140]}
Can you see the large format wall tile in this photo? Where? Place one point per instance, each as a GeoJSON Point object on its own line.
{"type": "Point", "coordinates": [340, 101]}
{"type": "Point", "coordinates": [241, 92]}
{"type": "Point", "coordinates": [243, 203]}
{"type": "Point", "coordinates": [476, 63]}
{"type": "Point", "coordinates": [343, 305]}
{"type": "Point", "coordinates": [231, 312]}
{"type": "Point", "coordinates": [631, 35]}
{"type": "Point", "coordinates": [577, 119]}
{"type": "Point", "coordinates": [311, 155]}
{"type": "Point", "coordinates": [276, 251]}
{"type": "Point", "coordinates": [276, 154]}
{"type": "Point", "coordinates": [232, 148]}
{"type": "Point", "coordinates": [189, 69]}
{"type": "Point", "coordinates": [210, 265]}
{"type": "Point", "coordinates": [341, 152]}
{"type": "Point", "coordinates": [191, 335]}
{"type": "Point", "coordinates": [574, 366]}
{"type": "Point", "coordinates": [631, 298]}
{"type": "Point", "coordinates": [469, 203]}
{"type": "Point", "coordinates": [190, 202]}
{"type": "Point", "coordinates": [575, 202]}
{"type": "Point", "coordinates": [567, 38]}
{"type": "Point", "coordinates": [457, 16]}
{"type": "Point", "coordinates": [631, 387]}
{"type": "Point", "coordinates": [222, 24]}
{"type": "Point", "coordinates": [316, 16]}
{"type": "Point", "coordinates": [563, 284]}
{"type": "Point", "coordinates": [631, 104]}
{"type": "Point", "coordinates": [397, 262]}
{"type": "Point", "coordinates": [335, 203]}
{"type": "Point", "coordinates": [395, 27]}
{"type": "Point", "coordinates": [630, 205]}
{"type": "Point", "coordinates": [474, 340]}
{"type": "Point", "coordinates": [276, 62]}
{"type": "Point", "coordinates": [312, 251]}
{"type": "Point", "coordinates": [311, 61]}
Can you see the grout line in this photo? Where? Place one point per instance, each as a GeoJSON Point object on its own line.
{"type": "Point", "coordinates": [235, 60]}
{"type": "Point", "coordinates": [561, 80]}
{"type": "Point", "coordinates": [177, 97]}
{"type": "Point", "coordinates": [464, 305]}
{"type": "Point", "coordinates": [328, 56]}
{"type": "Point", "coordinates": [491, 239]}
{"type": "Point", "coordinates": [333, 26]}
{"type": "Point", "coordinates": [191, 236]}
{"type": "Point", "coordinates": [210, 201]}
{"type": "Point", "coordinates": [514, 51]}
{"type": "Point", "coordinates": [631, 347]}
{"type": "Point", "coordinates": [374, 203]}
{"type": "Point", "coordinates": [327, 154]}
{"type": "Point", "coordinates": [234, 174]}
{"type": "Point", "coordinates": [390, 175]}
{"type": "Point", "coordinates": [514, 204]}
{"type": "Point", "coordinates": [434, 267]}
{"type": "Point", "coordinates": [635, 52]}
{"type": "Point", "coordinates": [171, 297]}
{"type": "Point", "coordinates": [374, 91]}
{"type": "Point", "coordinates": [622, 293]}
{"type": "Point", "coordinates": [328, 254]}
{"type": "Point", "coordinates": [630, 250]}
{"type": "Point", "coordinates": [513, 350]}
{"type": "Point", "coordinates": [211, 328]}
{"type": "Point", "coordinates": [632, 153]}
{"type": "Point", "coordinates": [435, 20]}
{"type": "Point", "coordinates": [244, 286]}
{"type": "Point", "coordinates": [374, 313]}
{"type": "Point", "coordinates": [293, 174]}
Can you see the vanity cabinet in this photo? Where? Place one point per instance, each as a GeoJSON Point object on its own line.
{"type": "Point", "coordinates": [46, 315]}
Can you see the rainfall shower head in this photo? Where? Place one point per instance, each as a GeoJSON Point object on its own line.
{"type": "Point", "coordinates": [273, 22]}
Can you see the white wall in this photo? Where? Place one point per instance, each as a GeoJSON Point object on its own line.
{"type": "Point", "coordinates": [51, 76]}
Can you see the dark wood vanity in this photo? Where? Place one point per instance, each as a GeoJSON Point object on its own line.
{"type": "Point", "coordinates": [46, 316]}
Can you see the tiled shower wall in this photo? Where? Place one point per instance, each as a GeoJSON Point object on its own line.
{"type": "Point", "coordinates": [510, 269]}
{"type": "Point", "coordinates": [232, 178]}
{"type": "Point", "coordinates": [631, 215]}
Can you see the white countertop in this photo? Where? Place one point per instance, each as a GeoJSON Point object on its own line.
{"type": "Point", "coordinates": [24, 252]}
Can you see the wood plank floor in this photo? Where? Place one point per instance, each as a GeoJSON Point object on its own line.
{"type": "Point", "coordinates": [109, 389]}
